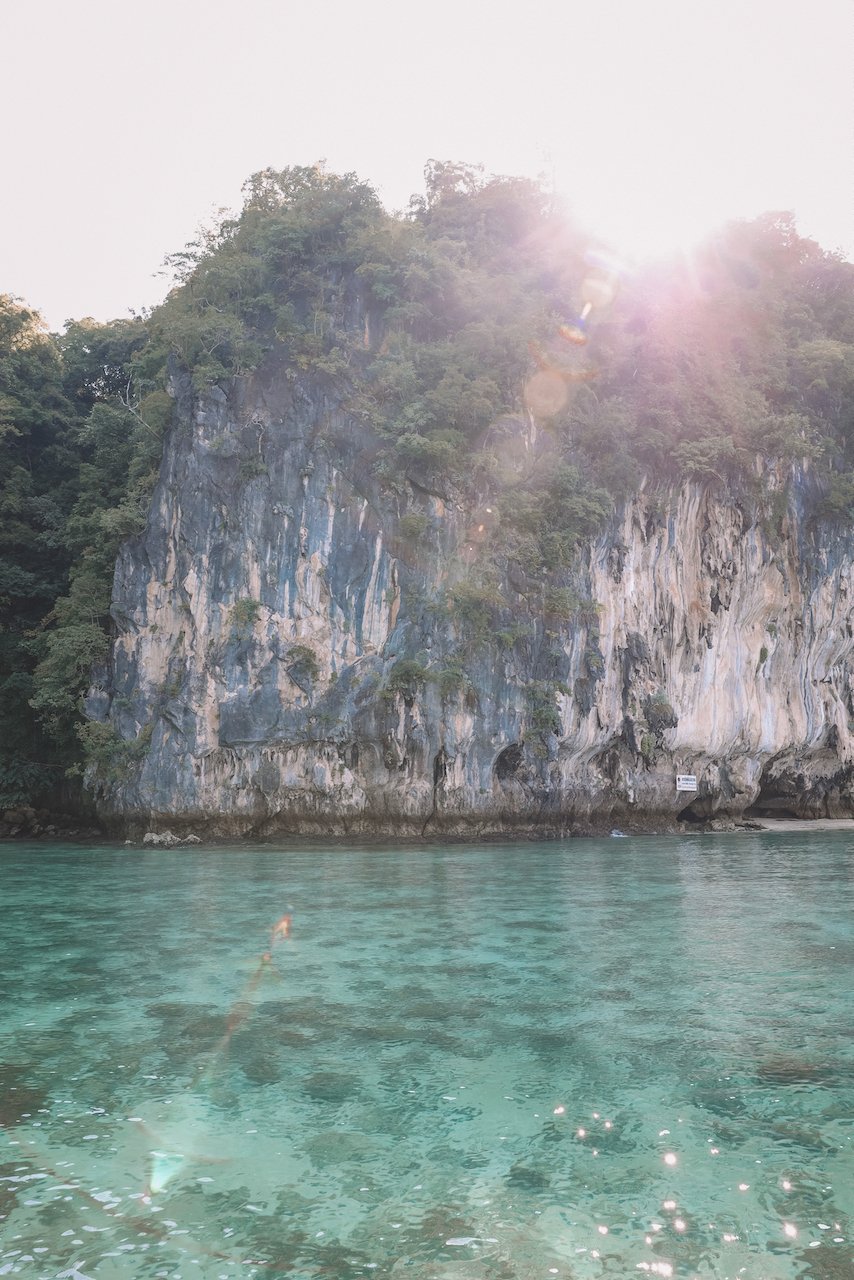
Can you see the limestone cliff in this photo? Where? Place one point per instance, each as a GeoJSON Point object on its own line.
{"type": "Point", "coordinates": [284, 661]}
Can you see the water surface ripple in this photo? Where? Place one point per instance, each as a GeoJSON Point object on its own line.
{"type": "Point", "coordinates": [597, 1058]}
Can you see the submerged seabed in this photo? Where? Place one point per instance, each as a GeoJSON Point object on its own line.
{"type": "Point", "coordinates": [598, 1058]}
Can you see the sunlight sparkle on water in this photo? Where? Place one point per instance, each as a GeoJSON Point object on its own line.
{"type": "Point", "coordinates": [388, 1093]}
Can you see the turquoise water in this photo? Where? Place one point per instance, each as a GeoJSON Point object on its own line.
{"type": "Point", "coordinates": [594, 1058]}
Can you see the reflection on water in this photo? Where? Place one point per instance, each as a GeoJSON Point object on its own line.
{"type": "Point", "coordinates": [593, 1059]}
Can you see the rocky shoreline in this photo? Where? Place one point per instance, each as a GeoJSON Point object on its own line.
{"type": "Point", "coordinates": [28, 824]}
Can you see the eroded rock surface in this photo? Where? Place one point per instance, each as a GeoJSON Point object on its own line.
{"type": "Point", "coordinates": [286, 660]}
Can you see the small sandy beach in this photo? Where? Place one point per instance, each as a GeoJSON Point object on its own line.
{"type": "Point", "coordinates": [805, 824]}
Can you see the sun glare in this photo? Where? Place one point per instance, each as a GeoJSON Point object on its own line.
{"type": "Point", "coordinates": [647, 208]}
{"type": "Point", "coordinates": [660, 157]}
{"type": "Point", "coordinates": [644, 231]}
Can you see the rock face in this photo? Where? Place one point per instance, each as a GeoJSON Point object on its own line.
{"type": "Point", "coordinates": [286, 660]}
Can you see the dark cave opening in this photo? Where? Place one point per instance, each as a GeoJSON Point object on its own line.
{"type": "Point", "coordinates": [773, 801]}
{"type": "Point", "coordinates": [690, 814]}
{"type": "Point", "coordinates": [768, 805]}
{"type": "Point", "coordinates": [507, 761]}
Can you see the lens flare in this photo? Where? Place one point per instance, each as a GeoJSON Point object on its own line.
{"type": "Point", "coordinates": [164, 1166]}
{"type": "Point", "coordinates": [546, 393]}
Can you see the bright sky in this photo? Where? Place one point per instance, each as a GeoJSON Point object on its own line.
{"type": "Point", "coordinates": [128, 125]}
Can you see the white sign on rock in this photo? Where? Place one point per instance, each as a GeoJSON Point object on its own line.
{"type": "Point", "coordinates": [686, 782]}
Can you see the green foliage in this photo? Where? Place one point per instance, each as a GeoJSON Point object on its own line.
{"type": "Point", "coordinates": [112, 758]}
{"type": "Point", "coordinates": [243, 615]}
{"type": "Point", "coordinates": [22, 781]}
{"type": "Point", "coordinates": [474, 603]}
{"type": "Point", "coordinates": [103, 748]}
{"type": "Point", "coordinates": [282, 272]}
{"type": "Point", "coordinates": [508, 637]}
{"type": "Point", "coordinates": [117, 442]}
{"type": "Point", "coordinates": [251, 468]}
{"type": "Point", "coordinates": [838, 501]}
{"type": "Point", "coordinates": [544, 717]}
{"type": "Point", "coordinates": [97, 359]}
{"type": "Point", "coordinates": [647, 748]}
{"type": "Point", "coordinates": [746, 351]}
{"type": "Point", "coordinates": [594, 662]}
{"type": "Point", "coordinates": [38, 470]}
{"type": "Point", "coordinates": [452, 680]}
{"type": "Point", "coordinates": [404, 679]}
{"type": "Point", "coordinates": [413, 526]}
{"type": "Point", "coordinates": [434, 455]}
{"type": "Point", "coordinates": [544, 519]}
{"type": "Point", "coordinates": [774, 510]}
{"type": "Point", "coordinates": [62, 676]}
{"type": "Point", "coordinates": [710, 456]}
{"type": "Point", "coordinates": [560, 605]}
{"type": "Point", "coordinates": [302, 662]}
